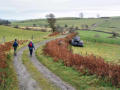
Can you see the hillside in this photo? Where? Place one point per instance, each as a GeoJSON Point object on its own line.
{"type": "Point", "coordinates": [107, 25]}
{"type": "Point", "coordinates": [61, 21]}
{"type": "Point", "coordinates": [110, 25]}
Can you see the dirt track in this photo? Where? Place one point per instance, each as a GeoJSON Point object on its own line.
{"type": "Point", "coordinates": [26, 82]}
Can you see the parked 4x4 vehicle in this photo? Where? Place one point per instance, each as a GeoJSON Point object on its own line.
{"type": "Point", "coordinates": [76, 41]}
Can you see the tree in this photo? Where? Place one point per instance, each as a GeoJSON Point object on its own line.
{"type": "Point", "coordinates": [66, 25]}
{"type": "Point", "coordinates": [51, 21]}
{"type": "Point", "coordinates": [34, 25]}
{"type": "Point", "coordinates": [4, 22]}
{"type": "Point", "coordinates": [81, 15]}
{"type": "Point", "coordinates": [98, 15]}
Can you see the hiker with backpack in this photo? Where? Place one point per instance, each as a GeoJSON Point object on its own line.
{"type": "Point", "coordinates": [31, 46]}
{"type": "Point", "coordinates": [15, 45]}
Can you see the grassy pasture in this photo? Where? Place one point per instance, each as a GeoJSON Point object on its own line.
{"type": "Point", "coordinates": [107, 48]}
{"type": "Point", "coordinates": [40, 22]}
{"type": "Point", "coordinates": [61, 22]}
{"type": "Point", "coordinates": [110, 25]}
{"type": "Point", "coordinates": [110, 52]}
{"type": "Point", "coordinates": [78, 22]}
{"type": "Point", "coordinates": [9, 34]}
{"type": "Point", "coordinates": [100, 37]}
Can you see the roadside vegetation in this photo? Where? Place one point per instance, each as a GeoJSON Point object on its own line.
{"type": "Point", "coordinates": [7, 72]}
{"type": "Point", "coordinates": [72, 76]}
{"type": "Point", "coordinates": [10, 79]}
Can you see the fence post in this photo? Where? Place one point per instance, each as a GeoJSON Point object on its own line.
{"type": "Point", "coordinates": [32, 37]}
{"type": "Point", "coordinates": [3, 39]}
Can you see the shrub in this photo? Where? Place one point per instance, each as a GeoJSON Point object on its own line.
{"type": "Point", "coordinates": [3, 58]}
{"type": "Point", "coordinates": [58, 49]}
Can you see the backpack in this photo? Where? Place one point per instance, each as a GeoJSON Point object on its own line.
{"type": "Point", "coordinates": [15, 44]}
{"type": "Point", "coordinates": [31, 45]}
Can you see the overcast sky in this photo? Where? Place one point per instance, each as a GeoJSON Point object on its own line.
{"type": "Point", "coordinates": [30, 9]}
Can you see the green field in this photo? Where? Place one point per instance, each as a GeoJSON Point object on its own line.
{"type": "Point", "coordinates": [40, 22]}
{"type": "Point", "coordinates": [100, 37]}
{"type": "Point", "coordinates": [9, 34]}
{"type": "Point", "coordinates": [70, 22]}
{"type": "Point", "coordinates": [107, 25]}
{"type": "Point", "coordinates": [110, 52]}
{"type": "Point", "coordinates": [110, 25]}
{"type": "Point", "coordinates": [102, 45]}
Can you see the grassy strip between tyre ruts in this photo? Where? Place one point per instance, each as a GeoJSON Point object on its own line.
{"type": "Point", "coordinates": [70, 75]}
{"type": "Point", "coordinates": [43, 83]}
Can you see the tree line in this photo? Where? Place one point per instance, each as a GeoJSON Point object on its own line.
{"type": "Point", "coordinates": [4, 22]}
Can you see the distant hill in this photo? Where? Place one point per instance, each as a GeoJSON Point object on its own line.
{"type": "Point", "coordinates": [111, 24]}
{"type": "Point", "coordinates": [70, 21]}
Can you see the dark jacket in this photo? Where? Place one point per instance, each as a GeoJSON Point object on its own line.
{"type": "Point", "coordinates": [15, 44]}
{"type": "Point", "coordinates": [31, 47]}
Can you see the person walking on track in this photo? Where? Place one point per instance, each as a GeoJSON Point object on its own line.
{"type": "Point", "coordinates": [15, 45]}
{"type": "Point", "coordinates": [31, 46]}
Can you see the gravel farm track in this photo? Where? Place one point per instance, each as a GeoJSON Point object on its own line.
{"type": "Point", "coordinates": [26, 82]}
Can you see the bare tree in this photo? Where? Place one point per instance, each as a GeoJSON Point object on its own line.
{"type": "Point", "coordinates": [51, 20]}
{"type": "Point", "coordinates": [98, 15]}
{"type": "Point", "coordinates": [81, 15]}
